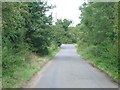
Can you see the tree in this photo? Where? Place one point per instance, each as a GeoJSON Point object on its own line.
{"type": "Point", "coordinates": [66, 23]}
{"type": "Point", "coordinates": [38, 27]}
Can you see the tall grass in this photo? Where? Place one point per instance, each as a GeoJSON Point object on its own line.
{"type": "Point", "coordinates": [16, 76]}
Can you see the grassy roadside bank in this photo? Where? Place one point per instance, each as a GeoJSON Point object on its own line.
{"type": "Point", "coordinates": [100, 63]}
{"type": "Point", "coordinates": [24, 73]}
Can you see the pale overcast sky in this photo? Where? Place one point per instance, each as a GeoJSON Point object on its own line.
{"type": "Point", "coordinates": [68, 9]}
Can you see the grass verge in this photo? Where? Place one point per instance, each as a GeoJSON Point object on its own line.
{"type": "Point", "coordinates": [100, 63]}
{"type": "Point", "coordinates": [24, 73]}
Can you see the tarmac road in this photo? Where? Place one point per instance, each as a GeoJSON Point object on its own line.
{"type": "Point", "coordinates": [69, 70]}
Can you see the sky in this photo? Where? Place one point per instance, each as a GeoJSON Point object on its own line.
{"type": "Point", "coordinates": [68, 9]}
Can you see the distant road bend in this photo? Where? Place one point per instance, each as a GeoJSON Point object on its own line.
{"type": "Point", "coordinates": [69, 70]}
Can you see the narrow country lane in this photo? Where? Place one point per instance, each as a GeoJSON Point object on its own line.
{"type": "Point", "coordinates": [69, 70]}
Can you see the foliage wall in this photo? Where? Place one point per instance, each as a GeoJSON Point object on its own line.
{"type": "Point", "coordinates": [98, 33]}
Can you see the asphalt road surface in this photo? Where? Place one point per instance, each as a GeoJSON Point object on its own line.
{"type": "Point", "coordinates": [69, 70]}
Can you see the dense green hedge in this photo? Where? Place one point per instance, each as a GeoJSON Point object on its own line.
{"type": "Point", "coordinates": [98, 34]}
{"type": "Point", "coordinates": [26, 28]}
